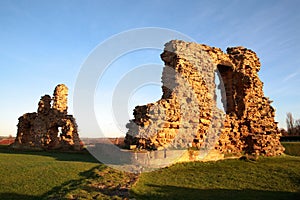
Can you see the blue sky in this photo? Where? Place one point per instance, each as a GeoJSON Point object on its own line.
{"type": "Point", "coordinates": [44, 43]}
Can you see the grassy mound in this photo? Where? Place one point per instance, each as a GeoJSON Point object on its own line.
{"type": "Point", "coordinates": [267, 178]}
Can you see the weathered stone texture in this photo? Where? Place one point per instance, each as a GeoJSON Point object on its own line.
{"type": "Point", "coordinates": [187, 114]}
{"type": "Point", "coordinates": [50, 127]}
{"type": "Point", "coordinates": [60, 98]}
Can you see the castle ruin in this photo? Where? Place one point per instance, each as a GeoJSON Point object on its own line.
{"type": "Point", "coordinates": [187, 115]}
{"type": "Point", "coordinates": [50, 127]}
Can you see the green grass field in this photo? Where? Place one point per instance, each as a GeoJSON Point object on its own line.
{"type": "Point", "coordinates": [32, 175]}
{"type": "Point", "coordinates": [53, 175]}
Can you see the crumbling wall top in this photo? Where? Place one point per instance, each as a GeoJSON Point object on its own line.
{"type": "Point", "coordinates": [60, 98]}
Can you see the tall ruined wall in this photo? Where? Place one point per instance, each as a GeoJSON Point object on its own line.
{"type": "Point", "coordinates": [184, 114]}
{"type": "Point", "coordinates": [187, 114]}
{"type": "Point", "coordinates": [49, 127]}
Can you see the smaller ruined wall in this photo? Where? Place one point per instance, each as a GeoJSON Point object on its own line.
{"type": "Point", "coordinates": [50, 127]}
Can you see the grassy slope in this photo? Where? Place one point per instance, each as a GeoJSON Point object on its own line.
{"type": "Point", "coordinates": [267, 178]}
{"type": "Point", "coordinates": [38, 175]}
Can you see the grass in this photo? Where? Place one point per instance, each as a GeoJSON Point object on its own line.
{"type": "Point", "coordinates": [101, 183]}
{"type": "Point", "coordinates": [267, 178]}
{"type": "Point", "coordinates": [31, 175]}
{"type": "Point", "coordinates": [292, 148]}
{"type": "Point", "coordinates": [54, 175]}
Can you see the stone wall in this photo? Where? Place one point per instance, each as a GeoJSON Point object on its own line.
{"type": "Point", "coordinates": [188, 115]}
{"type": "Point", "coordinates": [50, 127]}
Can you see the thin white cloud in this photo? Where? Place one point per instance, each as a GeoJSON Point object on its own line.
{"type": "Point", "coordinates": [289, 77]}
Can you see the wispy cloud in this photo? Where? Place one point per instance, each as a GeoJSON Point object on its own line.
{"type": "Point", "coordinates": [290, 76]}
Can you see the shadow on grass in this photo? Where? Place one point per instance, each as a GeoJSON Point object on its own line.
{"type": "Point", "coordinates": [100, 182]}
{"type": "Point", "coordinates": [174, 192]}
{"type": "Point", "coordinates": [89, 186]}
{"type": "Point", "coordinates": [71, 185]}
{"type": "Point", "coordinates": [81, 156]}
{"type": "Point", "coordinates": [291, 148]}
{"type": "Point", "coordinates": [14, 196]}
{"type": "Point", "coordinates": [94, 183]}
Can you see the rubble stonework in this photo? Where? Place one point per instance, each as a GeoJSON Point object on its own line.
{"type": "Point", "coordinates": [187, 114]}
{"type": "Point", "coordinates": [50, 127]}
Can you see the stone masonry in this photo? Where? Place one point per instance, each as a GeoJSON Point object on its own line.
{"type": "Point", "coordinates": [187, 115]}
{"type": "Point", "coordinates": [50, 127]}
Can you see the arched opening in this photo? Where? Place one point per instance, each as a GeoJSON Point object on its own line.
{"type": "Point", "coordinates": [228, 91]}
{"type": "Point", "coordinates": [59, 131]}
